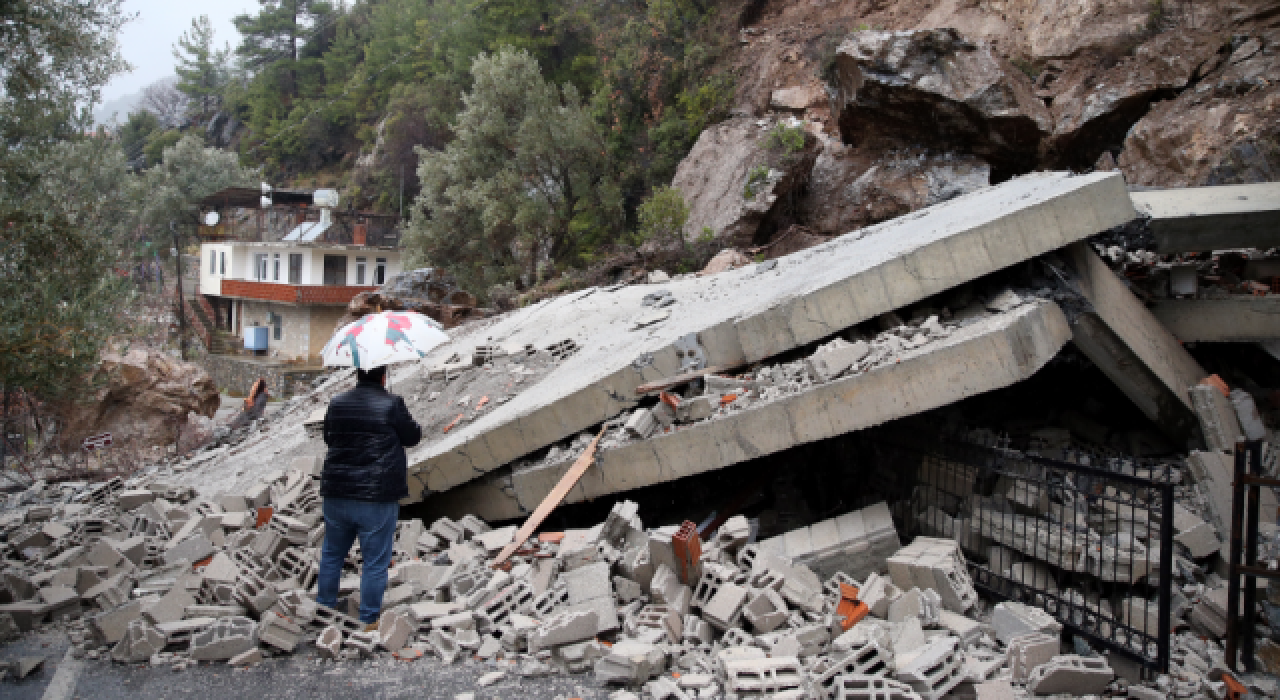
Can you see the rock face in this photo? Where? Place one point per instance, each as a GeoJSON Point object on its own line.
{"type": "Point", "coordinates": [713, 179]}
{"type": "Point", "coordinates": [1097, 99]}
{"type": "Point", "coordinates": [144, 399]}
{"type": "Point", "coordinates": [1222, 131]}
{"type": "Point", "coordinates": [933, 88]}
{"type": "Point", "coordinates": [846, 194]}
{"type": "Point", "coordinates": [1197, 140]}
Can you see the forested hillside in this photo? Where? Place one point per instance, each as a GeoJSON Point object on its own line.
{"type": "Point", "coordinates": [314, 85]}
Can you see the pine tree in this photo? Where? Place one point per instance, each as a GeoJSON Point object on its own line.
{"type": "Point", "coordinates": [201, 68]}
{"type": "Point", "coordinates": [272, 37]}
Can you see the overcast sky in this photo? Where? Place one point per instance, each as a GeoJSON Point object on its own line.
{"type": "Point", "coordinates": [147, 42]}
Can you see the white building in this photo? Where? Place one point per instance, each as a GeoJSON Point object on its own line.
{"type": "Point", "coordinates": [289, 263]}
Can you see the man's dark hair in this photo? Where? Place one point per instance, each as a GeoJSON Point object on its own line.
{"type": "Point", "coordinates": [374, 375]}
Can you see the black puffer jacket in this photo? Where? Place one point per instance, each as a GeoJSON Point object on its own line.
{"type": "Point", "coordinates": [367, 430]}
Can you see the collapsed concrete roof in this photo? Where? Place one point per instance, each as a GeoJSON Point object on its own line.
{"type": "Point", "coordinates": [991, 353]}
{"type": "Point", "coordinates": [1213, 218]}
{"type": "Point", "coordinates": [753, 313]}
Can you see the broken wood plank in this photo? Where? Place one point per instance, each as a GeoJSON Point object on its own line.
{"type": "Point", "coordinates": [552, 500]}
{"type": "Point", "coordinates": [664, 384]}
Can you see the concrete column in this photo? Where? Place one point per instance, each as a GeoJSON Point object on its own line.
{"type": "Point", "coordinates": [1132, 347]}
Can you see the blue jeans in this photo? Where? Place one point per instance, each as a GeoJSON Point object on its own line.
{"type": "Point", "coordinates": [375, 525]}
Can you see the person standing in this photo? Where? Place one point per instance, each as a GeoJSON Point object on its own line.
{"type": "Point", "coordinates": [364, 478]}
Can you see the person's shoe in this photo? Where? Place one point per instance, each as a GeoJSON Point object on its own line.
{"type": "Point", "coordinates": [371, 627]}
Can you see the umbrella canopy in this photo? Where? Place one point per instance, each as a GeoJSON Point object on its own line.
{"type": "Point", "coordinates": [383, 339]}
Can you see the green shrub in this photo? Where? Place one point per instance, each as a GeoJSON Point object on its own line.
{"type": "Point", "coordinates": [757, 176]}
{"type": "Point", "coordinates": [788, 139]}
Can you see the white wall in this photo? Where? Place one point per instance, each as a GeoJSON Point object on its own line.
{"type": "Point", "coordinates": [240, 263]}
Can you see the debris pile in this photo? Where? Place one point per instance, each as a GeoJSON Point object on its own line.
{"type": "Point", "coordinates": [143, 572]}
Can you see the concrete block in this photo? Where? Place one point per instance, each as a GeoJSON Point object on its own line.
{"type": "Point", "coordinates": [330, 642]}
{"type": "Point", "coordinates": [994, 690]}
{"type": "Point", "coordinates": [192, 549]}
{"type": "Point", "coordinates": [1071, 674]}
{"type": "Point", "coordinates": [641, 424]}
{"type": "Point", "coordinates": [279, 632]}
{"type": "Point", "coordinates": [494, 540]}
{"type": "Point", "coordinates": [140, 641]}
{"type": "Point", "coordinates": [831, 360]}
{"type": "Point", "coordinates": [564, 628]}
{"type": "Point", "coordinates": [626, 589]}
{"type": "Point", "coordinates": [724, 610]}
{"type": "Point", "coordinates": [248, 658]}
{"type": "Point", "coordinates": [604, 609]}
{"type": "Point", "coordinates": [906, 637]}
{"type": "Point", "coordinates": [765, 610]}
{"type": "Point", "coordinates": [968, 630]}
{"type": "Point", "coordinates": [588, 583]}
{"type": "Point", "coordinates": [128, 500]}
{"type": "Point", "coordinates": [697, 631]}
{"type": "Point", "coordinates": [630, 662]}
{"type": "Point", "coordinates": [110, 627]}
{"type": "Point", "coordinates": [395, 631]}
{"type": "Point", "coordinates": [935, 669]}
{"type": "Point", "coordinates": [772, 677]}
{"type": "Point", "coordinates": [27, 615]}
{"type": "Point", "coordinates": [856, 543]}
{"type": "Point", "coordinates": [860, 687]}
{"type": "Point", "coordinates": [1012, 619]}
{"type": "Point", "coordinates": [171, 607]}
{"type": "Point", "coordinates": [1247, 414]}
{"type": "Point", "coordinates": [1201, 540]}
{"type": "Point", "coordinates": [1028, 651]}
{"type": "Point", "coordinates": [225, 638]}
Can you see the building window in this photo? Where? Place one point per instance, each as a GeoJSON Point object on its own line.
{"type": "Point", "coordinates": [222, 263]}
{"type": "Point", "coordinates": [276, 321]}
{"type": "Point", "coordinates": [380, 272]}
{"type": "Point", "coordinates": [213, 262]}
{"type": "Point", "coordinates": [360, 262]}
{"type": "Point", "coordinates": [335, 270]}
{"type": "Point", "coordinates": [295, 268]}
{"type": "Point", "coordinates": [275, 268]}
{"type": "Point", "coordinates": [260, 267]}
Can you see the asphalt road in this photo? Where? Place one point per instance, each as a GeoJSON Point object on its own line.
{"type": "Point", "coordinates": [297, 677]}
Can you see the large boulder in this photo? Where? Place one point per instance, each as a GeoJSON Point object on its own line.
{"type": "Point", "coordinates": [1225, 130]}
{"type": "Point", "coordinates": [936, 89]}
{"type": "Point", "coordinates": [714, 181]}
{"type": "Point", "coordinates": [1098, 98]}
{"type": "Point", "coordinates": [143, 398]}
{"type": "Point", "coordinates": [848, 191]}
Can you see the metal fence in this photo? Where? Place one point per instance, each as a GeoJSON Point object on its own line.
{"type": "Point", "coordinates": [1091, 545]}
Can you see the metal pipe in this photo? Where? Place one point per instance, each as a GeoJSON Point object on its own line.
{"type": "Point", "coordinates": [1251, 557]}
{"type": "Point", "coordinates": [1233, 581]}
{"type": "Point", "coordinates": [1166, 576]}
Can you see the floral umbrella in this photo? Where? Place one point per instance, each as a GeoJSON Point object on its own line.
{"type": "Point", "coordinates": [383, 339]}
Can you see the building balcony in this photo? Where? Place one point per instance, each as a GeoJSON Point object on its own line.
{"type": "Point", "coordinates": [291, 293]}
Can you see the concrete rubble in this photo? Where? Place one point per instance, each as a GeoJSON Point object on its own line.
{"type": "Point", "coordinates": [837, 609]}
{"type": "Point", "coordinates": [184, 563]}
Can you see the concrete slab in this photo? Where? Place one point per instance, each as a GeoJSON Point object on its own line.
{"type": "Point", "coordinates": [1212, 218]}
{"type": "Point", "coordinates": [1132, 347]}
{"type": "Point", "coordinates": [989, 354]}
{"type": "Point", "coordinates": [1238, 319]}
{"type": "Point", "coordinates": [751, 313]}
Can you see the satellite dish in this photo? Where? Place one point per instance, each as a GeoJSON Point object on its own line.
{"type": "Point", "coordinates": [211, 218]}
